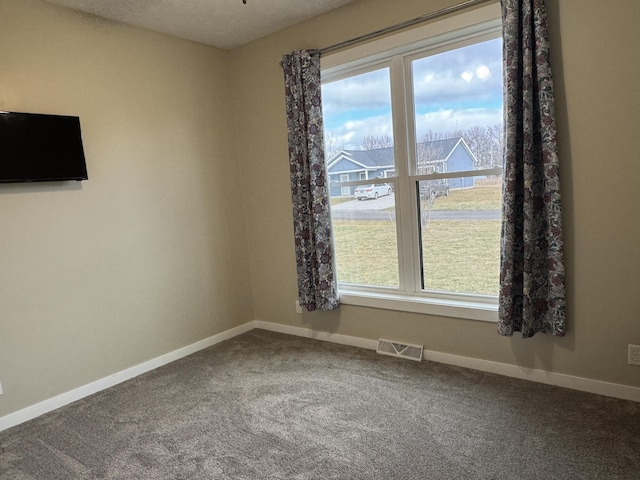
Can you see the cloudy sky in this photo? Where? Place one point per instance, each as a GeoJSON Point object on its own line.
{"type": "Point", "coordinates": [453, 90]}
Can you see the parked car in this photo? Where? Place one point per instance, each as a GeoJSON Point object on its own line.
{"type": "Point", "coordinates": [372, 191]}
{"type": "Point", "coordinates": [430, 189]}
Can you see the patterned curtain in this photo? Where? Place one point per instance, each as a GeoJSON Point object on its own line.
{"type": "Point", "coordinates": [317, 289]}
{"type": "Point", "coordinates": [532, 293]}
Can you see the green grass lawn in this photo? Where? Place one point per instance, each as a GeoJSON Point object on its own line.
{"type": "Point", "coordinates": [478, 198]}
{"type": "Point", "coordinates": [458, 255]}
{"type": "Point", "coordinates": [339, 200]}
{"type": "Point", "coordinates": [462, 256]}
{"type": "Point", "coordinates": [366, 252]}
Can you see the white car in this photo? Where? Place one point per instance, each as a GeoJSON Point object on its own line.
{"type": "Point", "coordinates": [372, 191]}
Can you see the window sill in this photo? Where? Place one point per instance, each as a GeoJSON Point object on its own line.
{"type": "Point", "coordinates": [465, 309]}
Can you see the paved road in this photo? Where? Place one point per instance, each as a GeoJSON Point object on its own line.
{"type": "Point", "coordinates": [376, 210]}
{"type": "Point", "coordinates": [379, 204]}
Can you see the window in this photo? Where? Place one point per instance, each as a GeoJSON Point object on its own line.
{"type": "Point", "coordinates": [418, 126]}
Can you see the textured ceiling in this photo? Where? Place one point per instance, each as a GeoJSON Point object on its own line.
{"type": "Point", "coordinates": [221, 23]}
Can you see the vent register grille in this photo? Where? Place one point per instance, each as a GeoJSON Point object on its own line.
{"type": "Point", "coordinates": [397, 349]}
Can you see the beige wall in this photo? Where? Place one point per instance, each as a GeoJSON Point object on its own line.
{"type": "Point", "coordinates": [146, 256]}
{"type": "Point", "coordinates": [595, 51]}
{"type": "Point", "coordinates": [183, 232]}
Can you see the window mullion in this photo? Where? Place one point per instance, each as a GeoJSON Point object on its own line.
{"type": "Point", "coordinates": [415, 245]}
{"type": "Point", "coordinates": [402, 133]}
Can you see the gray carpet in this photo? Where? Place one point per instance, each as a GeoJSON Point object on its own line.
{"type": "Point", "coordinates": [270, 406]}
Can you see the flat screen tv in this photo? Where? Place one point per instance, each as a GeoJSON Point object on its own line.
{"type": "Point", "coordinates": [36, 147]}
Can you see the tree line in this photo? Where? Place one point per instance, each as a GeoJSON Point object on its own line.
{"type": "Point", "coordinates": [484, 142]}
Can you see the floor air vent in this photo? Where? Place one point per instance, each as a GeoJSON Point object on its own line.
{"type": "Point", "coordinates": [402, 350]}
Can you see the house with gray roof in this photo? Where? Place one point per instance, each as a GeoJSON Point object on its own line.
{"type": "Point", "coordinates": [438, 156]}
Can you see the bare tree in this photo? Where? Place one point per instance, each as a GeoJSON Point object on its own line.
{"type": "Point", "coordinates": [370, 142]}
{"type": "Point", "coordinates": [331, 145]}
{"type": "Point", "coordinates": [432, 136]}
{"type": "Point", "coordinates": [428, 161]}
{"type": "Point", "coordinates": [427, 155]}
{"type": "Point", "coordinates": [484, 142]}
{"type": "Point", "coordinates": [497, 135]}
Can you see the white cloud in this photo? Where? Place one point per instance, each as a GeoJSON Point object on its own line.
{"type": "Point", "coordinates": [367, 91]}
{"type": "Point", "coordinates": [470, 83]}
{"type": "Point", "coordinates": [461, 119]}
{"type": "Point", "coordinates": [350, 134]}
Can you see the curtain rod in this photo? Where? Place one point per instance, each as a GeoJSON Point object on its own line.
{"type": "Point", "coordinates": [399, 26]}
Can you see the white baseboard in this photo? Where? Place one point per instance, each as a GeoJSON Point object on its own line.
{"type": "Point", "coordinates": [79, 393]}
{"type": "Point", "coordinates": [624, 392]}
{"type": "Point", "coordinates": [315, 334]}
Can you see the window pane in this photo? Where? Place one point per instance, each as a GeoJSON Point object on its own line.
{"type": "Point", "coordinates": [359, 148]}
{"type": "Point", "coordinates": [357, 117]}
{"type": "Point", "coordinates": [460, 234]}
{"type": "Point", "coordinates": [458, 101]}
{"type": "Point", "coordinates": [365, 237]}
{"type": "Point", "coordinates": [458, 121]}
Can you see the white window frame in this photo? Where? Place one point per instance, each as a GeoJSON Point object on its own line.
{"type": "Point", "coordinates": [397, 52]}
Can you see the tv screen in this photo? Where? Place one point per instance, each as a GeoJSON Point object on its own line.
{"type": "Point", "coordinates": [40, 148]}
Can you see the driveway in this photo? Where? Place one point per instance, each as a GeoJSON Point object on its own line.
{"type": "Point", "coordinates": [377, 210]}
{"type": "Point", "coordinates": [380, 204]}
